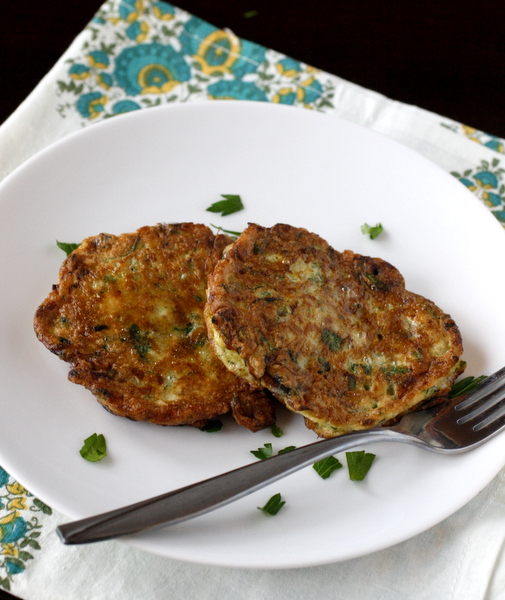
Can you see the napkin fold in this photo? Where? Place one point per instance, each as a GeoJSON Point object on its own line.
{"type": "Point", "coordinates": [138, 54]}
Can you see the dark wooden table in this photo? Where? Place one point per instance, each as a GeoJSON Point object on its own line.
{"type": "Point", "coordinates": [447, 56]}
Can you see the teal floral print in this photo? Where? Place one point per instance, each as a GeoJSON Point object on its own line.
{"type": "Point", "coordinates": [20, 528]}
{"type": "Point", "coordinates": [150, 69]}
{"type": "Point", "coordinates": [486, 181]}
{"type": "Point", "coordinates": [489, 141]}
{"type": "Point", "coordinates": [236, 90]}
{"type": "Point", "coordinates": [144, 53]}
{"type": "Point", "coordinates": [91, 105]}
{"type": "Point", "coordinates": [218, 52]}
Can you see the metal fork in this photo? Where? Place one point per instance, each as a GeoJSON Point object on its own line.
{"type": "Point", "coordinates": [452, 428]}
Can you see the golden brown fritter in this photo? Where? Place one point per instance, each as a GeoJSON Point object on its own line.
{"type": "Point", "coordinates": [127, 314]}
{"type": "Point", "coordinates": [335, 336]}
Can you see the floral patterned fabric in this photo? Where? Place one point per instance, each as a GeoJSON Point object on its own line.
{"type": "Point", "coordinates": [149, 53]}
{"type": "Point", "coordinates": [20, 528]}
{"type": "Point", "coordinates": [136, 54]}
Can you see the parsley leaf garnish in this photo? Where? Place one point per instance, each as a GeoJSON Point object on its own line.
{"type": "Point", "coordinates": [373, 232]}
{"type": "Point", "coordinates": [273, 506]}
{"type": "Point", "coordinates": [250, 14]}
{"type": "Point", "coordinates": [67, 248]}
{"type": "Point", "coordinates": [286, 449]}
{"type": "Point", "coordinates": [94, 448]}
{"type": "Point", "coordinates": [359, 464]}
{"type": "Point", "coordinates": [262, 453]}
{"type": "Point", "coordinates": [276, 431]}
{"type": "Point", "coordinates": [465, 386]}
{"type": "Point", "coordinates": [232, 203]}
{"type": "Point", "coordinates": [325, 467]}
{"type": "Point", "coordinates": [235, 233]}
{"type": "Point", "coordinates": [267, 451]}
{"type": "Point", "coordinates": [212, 426]}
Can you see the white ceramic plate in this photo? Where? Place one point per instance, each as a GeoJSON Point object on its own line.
{"type": "Point", "coordinates": [292, 166]}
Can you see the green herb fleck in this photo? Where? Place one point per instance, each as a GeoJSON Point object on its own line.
{"type": "Point", "coordinates": [212, 426]}
{"type": "Point", "coordinates": [466, 385]}
{"type": "Point", "coordinates": [139, 340]}
{"type": "Point", "coordinates": [185, 329]}
{"type": "Point", "coordinates": [94, 448]}
{"type": "Point", "coordinates": [273, 506]}
{"type": "Point", "coordinates": [276, 431]}
{"type": "Point", "coordinates": [251, 13]}
{"type": "Point", "coordinates": [373, 232]}
{"type": "Point", "coordinates": [359, 464]}
{"type": "Point", "coordinates": [228, 231]}
{"type": "Point", "coordinates": [262, 453]}
{"type": "Point", "coordinates": [378, 283]}
{"type": "Point", "coordinates": [325, 467]}
{"type": "Point", "coordinates": [67, 248]}
{"type": "Point", "coordinates": [392, 370]}
{"type": "Point", "coordinates": [331, 339]}
{"type": "Point", "coordinates": [232, 203]}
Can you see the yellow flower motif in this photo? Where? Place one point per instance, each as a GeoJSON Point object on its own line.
{"type": "Point", "coordinates": [96, 106]}
{"type": "Point", "coordinates": [156, 79]}
{"type": "Point", "coordinates": [218, 52]}
{"type": "Point", "coordinates": [103, 81]}
{"type": "Point", "coordinates": [284, 96]}
{"type": "Point", "coordinates": [17, 504]}
{"type": "Point", "coordinates": [143, 31]}
{"type": "Point", "coordinates": [81, 75]}
{"type": "Point", "coordinates": [17, 489]}
{"type": "Point", "coordinates": [301, 92]}
{"type": "Point", "coordinates": [9, 518]}
{"type": "Point", "coordinates": [135, 14]}
{"type": "Point", "coordinates": [96, 63]}
{"type": "Point", "coordinates": [9, 550]}
{"type": "Point", "coordinates": [468, 130]}
{"type": "Point", "coordinates": [287, 72]}
{"type": "Point", "coordinates": [164, 16]}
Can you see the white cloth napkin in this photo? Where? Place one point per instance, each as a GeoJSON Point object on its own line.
{"type": "Point", "coordinates": [99, 77]}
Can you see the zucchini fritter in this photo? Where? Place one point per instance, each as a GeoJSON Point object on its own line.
{"type": "Point", "coordinates": [127, 314]}
{"type": "Point", "coordinates": [335, 336]}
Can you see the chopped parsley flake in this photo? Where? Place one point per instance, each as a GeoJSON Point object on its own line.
{"type": "Point", "coordinates": [373, 232]}
{"type": "Point", "coordinates": [286, 449]}
{"type": "Point", "coordinates": [262, 453]}
{"type": "Point", "coordinates": [66, 247]}
{"type": "Point", "coordinates": [276, 431]}
{"type": "Point", "coordinates": [359, 464]}
{"type": "Point", "coordinates": [232, 203]}
{"type": "Point", "coordinates": [212, 426]}
{"type": "Point", "coordinates": [465, 386]}
{"type": "Point", "coordinates": [267, 451]}
{"type": "Point", "coordinates": [325, 467]}
{"type": "Point", "coordinates": [94, 448]}
{"type": "Point", "coordinates": [273, 506]}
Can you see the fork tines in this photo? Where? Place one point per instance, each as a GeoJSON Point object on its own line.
{"type": "Point", "coordinates": [487, 403]}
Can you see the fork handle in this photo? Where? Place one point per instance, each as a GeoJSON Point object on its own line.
{"type": "Point", "coordinates": [199, 498]}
